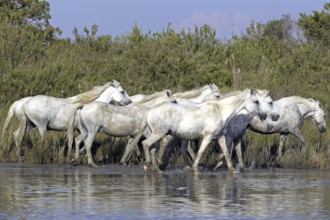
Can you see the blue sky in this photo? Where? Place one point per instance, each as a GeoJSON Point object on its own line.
{"type": "Point", "coordinates": [225, 16]}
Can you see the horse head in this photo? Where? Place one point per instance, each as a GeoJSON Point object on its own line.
{"type": "Point", "coordinates": [266, 103]}
{"type": "Point", "coordinates": [115, 94]}
{"type": "Point", "coordinates": [253, 104]}
{"type": "Point", "coordinates": [318, 116]}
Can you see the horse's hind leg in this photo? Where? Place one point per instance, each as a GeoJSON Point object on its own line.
{"type": "Point", "coordinates": [185, 144]}
{"type": "Point", "coordinates": [280, 146]}
{"type": "Point", "coordinates": [203, 146]}
{"type": "Point", "coordinates": [128, 152]}
{"type": "Point", "coordinates": [19, 134]}
{"type": "Point", "coordinates": [83, 135]}
{"type": "Point", "coordinates": [146, 145]}
{"type": "Point", "coordinates": [88, 144]}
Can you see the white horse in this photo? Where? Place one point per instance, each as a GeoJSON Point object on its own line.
{"type": "Point", "coordinates": [15, 109]}
{"type": "Point", "coordinates": [117, 121]}
{"type": "Point", "coordinates": [207, 92]}
{"type": "Point", "coordinates": [46, 112]}
{"type": "Point", "coordinates": [237, 126]}
{"type": "Point", "coordinates": [293, 111]}
{"type": "Point", "coordinates": [206, 121]}
{"type": "Point", "coordinates": [196, 95]}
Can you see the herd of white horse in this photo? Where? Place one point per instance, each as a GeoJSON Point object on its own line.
{"type": "Point", "coordinates": [164, 120]}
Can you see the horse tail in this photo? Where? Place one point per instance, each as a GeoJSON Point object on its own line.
{"type": "Point", "coordinates": [71, 127]}
{"type": "Point", "coordinates": [10, 115]}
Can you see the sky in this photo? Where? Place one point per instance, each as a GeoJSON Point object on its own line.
{"type": "Point", "coordinates": [117, 18]}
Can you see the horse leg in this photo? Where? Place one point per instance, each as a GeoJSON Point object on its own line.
{"type": "Point", "coordinates": [184, 151]}
{"type": "Point", "coordinates": [131, 144]}
{"type": "Point", "coordinates": [191, 151]}
{"type": "Point", "coordinates": [168, 150]}
{"type": "Point", "coordinates": [128, 153]}
{"type": "Point", "coordinates": [205, 142]}
{"type": "Point", "coordinates": [238, 149]}
{"type": "Point", "coordinates": [223, 145]}
{"type": "Point", "coordinates": [88, 144]}
{"type": "Point", "coordinates": [19, 135]}
{"type": "Point", "coordinates": [280, 146]}
{"type": "Point", "coordinates": [83, 135]}
{"type": "Point", "coordinates": [154, 160]}
{"type": "Point", "coordinates": [146, 145]}
{"type": "Point", "coordinates": [165, 147]}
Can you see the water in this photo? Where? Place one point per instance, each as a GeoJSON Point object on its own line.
{"type": "Point", "coordinates": [114, 192]}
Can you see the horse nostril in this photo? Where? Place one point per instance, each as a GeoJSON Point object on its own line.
{"type": "Point", "coordinates": [275, 117]}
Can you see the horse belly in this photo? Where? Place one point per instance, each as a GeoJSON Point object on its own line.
{"type": "Point", "coordinates": [121, 126]}
{"type": "Point", "coordinates": [189, 129]}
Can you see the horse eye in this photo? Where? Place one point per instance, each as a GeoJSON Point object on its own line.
{"type": "Point", "coordinates": [257, 101]}
{"type": "Point", "coordinates": [271, 103]}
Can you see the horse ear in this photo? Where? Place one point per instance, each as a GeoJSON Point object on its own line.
{"type": "Point", "coordinates": [169, 93]}
{"type": "Point", "coordinates": [114, 83]}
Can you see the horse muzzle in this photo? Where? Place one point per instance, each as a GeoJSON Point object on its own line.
{"type": "Point", "coordinates": [262, 116]}
{"type": "Point", "coordinates": [323, 129]}
{"type": "Point", "coordinates": [275, 117]}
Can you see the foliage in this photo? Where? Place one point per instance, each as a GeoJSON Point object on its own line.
{"type": "Point", "coordinates": [33, 60]}
{"type": "Point", "coordinates": [316, 27]}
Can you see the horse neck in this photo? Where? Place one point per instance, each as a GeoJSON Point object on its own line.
{"type": "Point", "coordinates": [152, 100]}
{"type": "Point", "coordinates": [90, 95]}
{"type": "Point", "coordinates": [194, 95]}
{"type": "Point", "coordinates": [106, 96]}
{"type": "Point", "coordinates": [201, 97]}
{"type": "Point", "coordinates": [230, 106]}
{"type": "Point", "coordinates": [306, 109]}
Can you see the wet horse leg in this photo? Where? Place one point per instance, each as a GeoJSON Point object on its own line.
{"type": "Point", "coordinates": [88, 144]}
{"type": "Point", "coordinates": [153, 138]}
{"type": "Point", "coordinates": [280, 146]}
{"type": "Point", "coordinates": [20, 134]}
{"type": "Point", "coordinates": [205, 142]}
{"type": "Point", "coordinates": [184, 151]}
{"type": "Point", "coordinates": [168, 149]}
{"type": "Point", "coordinates": [223, 145]}
{"type": "Point", "coordinates": [239, 154]}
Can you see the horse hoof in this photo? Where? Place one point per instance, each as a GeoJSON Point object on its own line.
{"type": "Point", "coordinates": [93, 165]}
{"type": "Point", "coordinates": [158, 171]}
{"type": "Point", "coordinates": [196, 171]}
{"type": "Point", "coordinates": [145, 166]}
{"type": "Point", "coordinates": [186, 168]}
{"type": "Point", "coordinates": [124, 164]}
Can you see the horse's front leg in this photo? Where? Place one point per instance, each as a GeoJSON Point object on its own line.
{"type": "Point", "coordinates": [205, 142]}
{"type": "Point", "coordinates": [280, 146]}
{"type": "Point", "coordinates": [223, 145]}
{"type": "Point", "coordinates": [154, 160]}
{"type": "Point", "coordinates": [238, 148]}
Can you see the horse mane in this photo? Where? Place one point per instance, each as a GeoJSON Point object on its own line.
{"type": "Point", "coordinates": [196, 92]}
{"type": "Point", "coordinates": [234, 93]}
{"type": "Point", "coordinates": [262, 92]}
{"type": "Point", "coordinates": [91, 94]}
{"type": "Point", "coordinates": [152, 96]}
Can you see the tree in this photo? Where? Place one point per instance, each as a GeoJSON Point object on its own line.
{"type": "Point", "coordinates": [316, 27]}
{"type": "Point", "coordinates": [33, 13]}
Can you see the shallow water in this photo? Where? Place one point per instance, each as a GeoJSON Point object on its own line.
{"type": "Point", "coordinates": [115, 192]}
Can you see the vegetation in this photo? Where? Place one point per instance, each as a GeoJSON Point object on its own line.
{"type": "Point", "coordinates": [285, 56]}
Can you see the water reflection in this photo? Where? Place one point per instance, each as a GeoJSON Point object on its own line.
{"type": "Point", "coordinates": [63, 192]}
